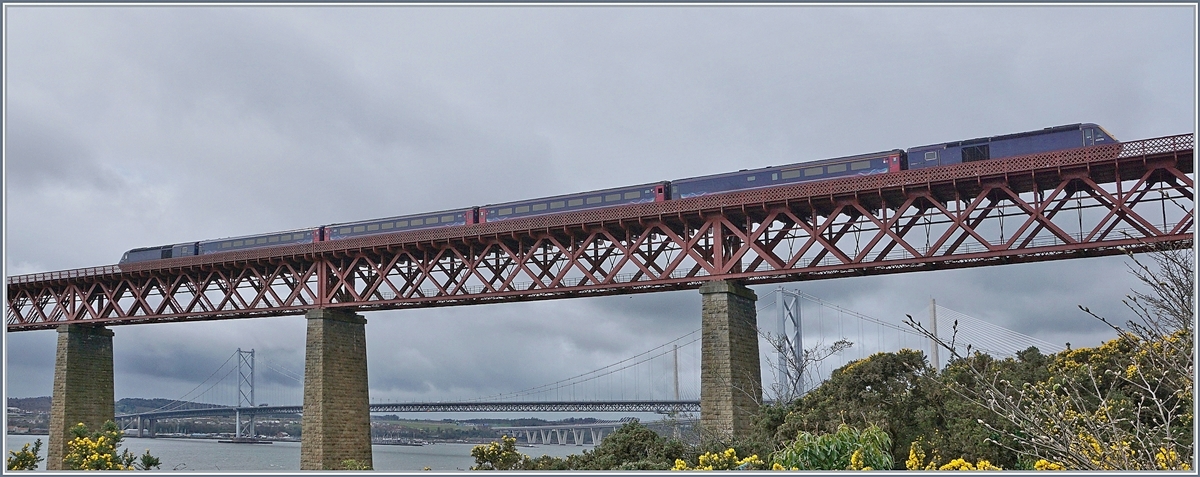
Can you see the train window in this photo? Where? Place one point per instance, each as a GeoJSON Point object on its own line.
{"type": "Point", "coordinates": [225, 244]}
{"type": "Point", "coordinates": [975, 153]}
{"type": "Point", "coordinates": [261, 240]}
{"type": "Point", "coordinates": [373, 227]}
{"type": "Point", "coordinates": [558, 204]}
{"type": "Point", "coordinates": [505, 211]}
{"type": "Point", "coordinates": [575, 202]}
{"type": "Point", "coordinates": [775, 176]}
{"type": "Point", "coordinates": [237, 243]}
{"type": "Point", "coordinates": [813, 171]}
{"type": "Point", "coordinates": [416, 222]}
{"type": "Point", "coordinates": [447, 219]}
{"type": "Point", "coordinates": [632, 195]}
{"type": "Point", "coordinates": [860, 165]}
{"type": "Point", "coordinates": [344, 230]}
{"type": "Point", "coordinates": [273, 239]}
{"type": "Point", "coordinates": [836, 168]}
{"type": "Point", "coordinates": [522, 209]}
{"type": "Point", "coordinates": [1088, 139]}
{"type": "Point", "coordinates": [431, 220]}
{"type": "Point", "coordinates": [387, 225]}
{"type": "Point", "coordinates": [360, 228]}
{"type": "Point", "coordinates": [537, 207]}
{"type": "Point", "coordinates": [749, 178]}
{"type": "Point", "coordinates": [931, 156]}
{"type": "Point", "coordinates": [792, 174]}
{"type": "Point", "coordinates": [593, 200]}
{"type": "Point", "coordinates": [402, 223]}
{"type": "Point", "coordinates": [612, 197]}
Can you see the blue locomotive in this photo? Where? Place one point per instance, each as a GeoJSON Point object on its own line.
{"type": "Point", "coordinates": [884, 162]}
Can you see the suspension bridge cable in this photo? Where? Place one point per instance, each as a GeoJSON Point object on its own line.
{"type": "Point", "coordinates": [283, 370]}
{"type": "Point", "coordinates": [571, 381]}
{"type": "Point", "coordinates": [1001, 333]}
{"type": "Point", "coordinates": [214, 373]}
{"type": "Point", "coordinates": [546, 387]}
{"type": "Point", "coordinates": [855, 313]}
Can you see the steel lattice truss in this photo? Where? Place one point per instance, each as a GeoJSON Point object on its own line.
{"type": "Point", "coordinates": [1094, 201]}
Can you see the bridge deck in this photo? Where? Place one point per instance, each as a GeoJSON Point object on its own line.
{"type": "Point", "coordinates": [954, 216]}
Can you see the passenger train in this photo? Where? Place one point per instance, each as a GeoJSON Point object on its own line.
{"type": "Point", "coordinates": [895, 160]}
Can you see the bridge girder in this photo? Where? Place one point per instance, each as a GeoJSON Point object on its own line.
{"type": "Point", "coordinates": [1085, 202]}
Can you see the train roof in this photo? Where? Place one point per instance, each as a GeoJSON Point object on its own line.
{"type": "Point", "coordinates": [306, 229]}
{"type": "Point", "coordinates": [563, 196]}
{"type": "Point", "coordinates": [156, 247]}
{"type": "Point", "coordinates": [801, 164]}
{"type": "Point", "coordinates": [406, 216]}
{"type": "Point", "coordinates": [980, 140]}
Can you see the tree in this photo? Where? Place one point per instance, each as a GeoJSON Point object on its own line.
{"type": "Point", "coordinates": [499, 455]}
{"type": "Point", "coordinates": [98, 450]}
{"type": "Point", "coordinates": [26, 458]}
{"type": "Point", "coordinates": [632, 446]}
{"type": "Point", "coordinates": [884, 389]}
{"type": "Point", "coordinates": [794, 367]}
{"type": "Point", "coordinates": [846, 449]}
{"type": "Point", "coordinates": [1125, 405]}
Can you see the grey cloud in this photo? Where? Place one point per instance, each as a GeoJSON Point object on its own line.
{"type": "Point", "coordinates": [131, 126]}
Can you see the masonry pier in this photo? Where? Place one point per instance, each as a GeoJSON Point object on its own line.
{"type": "Point", "coordinates": [337, 418]}
{"type": "Point", "coordinates": [730, 374]}
{"type": "Point", "coordinates": [83, 386]}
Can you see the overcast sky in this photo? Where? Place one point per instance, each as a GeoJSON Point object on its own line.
{"type": "Point", "coordinates": [137, 126]}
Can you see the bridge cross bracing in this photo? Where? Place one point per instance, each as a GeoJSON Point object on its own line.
{"type": "Point", "coordinates": [1092, 201]}
{"type": "Point", "coordinates": [1087, 201]}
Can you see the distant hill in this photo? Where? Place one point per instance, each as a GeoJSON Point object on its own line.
{"type": "Point", "coordinates": [33, 404]}
{"type": "Point", "coordinates": [123, 406]}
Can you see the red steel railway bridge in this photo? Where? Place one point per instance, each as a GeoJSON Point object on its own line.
{"type": "Point", "coordinates": [1086, 202]}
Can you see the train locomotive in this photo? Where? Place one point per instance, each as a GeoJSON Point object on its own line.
{"type": "Point", "coordinates": [884, 162]}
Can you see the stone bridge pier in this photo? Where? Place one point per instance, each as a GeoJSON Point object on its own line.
{"type": "Point", "coordinates": [83, 386]}
{"type": "Point", "coordinates": [730, 373]}
{"type": "Point", "coordinates": [337, 410]}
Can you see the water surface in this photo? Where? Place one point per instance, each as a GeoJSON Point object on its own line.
{"type": "Point", "coordinates": [210, 455]}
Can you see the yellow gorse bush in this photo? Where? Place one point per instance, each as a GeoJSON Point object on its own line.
{"type": "Point", "coordinates": [1169, 460]}
{"type": "Point", "coordinates": [98, 450]}
{"type": "Point", "coordinates": [95, 452]}
{"type": "Point", "coordinates": [727, 460]}
{"type": "Point", "coordinates": [1043, 464]}
{"type": "Point", "coordinates": [916, 461]}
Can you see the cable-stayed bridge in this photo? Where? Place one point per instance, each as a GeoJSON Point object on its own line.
{"type": "Point", "coordinates": [662, 380]}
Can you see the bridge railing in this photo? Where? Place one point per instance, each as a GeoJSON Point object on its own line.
{"type": "Point", "coordinates": [65, 274]}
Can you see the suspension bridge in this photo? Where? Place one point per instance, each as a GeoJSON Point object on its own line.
{"type": "Point", "coordinates": [663, 380]}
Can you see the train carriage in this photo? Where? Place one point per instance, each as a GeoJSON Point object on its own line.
{"type": "Point", "coordinates": [159, 252]}
{"type": "Point", "coordinates": [653, 192]}
{"type": "Point", "coordinates": [863, 164]}
{"type": "Point", "coordinates": [1010, 145]}
{"type": "Point", "coordinates": [229, 244]}
{"type": "Point", "coordinates": [445, 218]}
